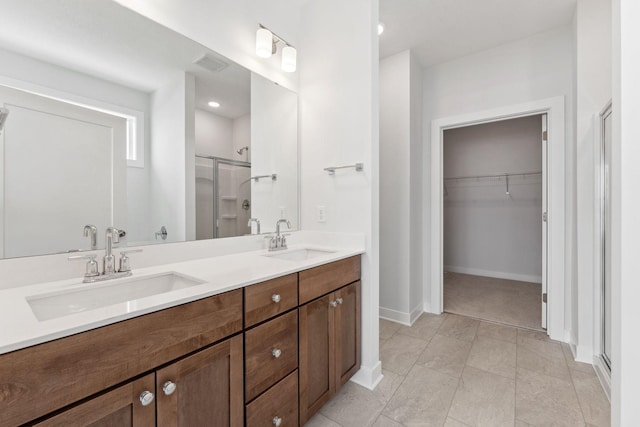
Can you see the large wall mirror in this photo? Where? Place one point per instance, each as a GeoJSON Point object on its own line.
{"type": "Point", "coordinates": [110, 119]}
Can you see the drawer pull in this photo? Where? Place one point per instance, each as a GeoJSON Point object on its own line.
{"type": "Point", "coordinates": [276, 352]}
{"type": "Point", "coordinates": [333, 304]}
{"type": "Point", "coordinates": [169, 387]}
{"type": "Point", "coordinates": [277, 421]}
{"type": "Point", "coordinates": [146, 397]}
{"type": "Point", "coordinates": [275, 298]}
{"type": "Point", "coordinates": [339, 300]}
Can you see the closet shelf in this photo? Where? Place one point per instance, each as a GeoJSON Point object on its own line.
{"type": "Point", "coordinates": [501, 175]}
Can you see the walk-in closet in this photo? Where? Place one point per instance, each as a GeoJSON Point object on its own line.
{"type": "Point", "coordinates": [493, 236]}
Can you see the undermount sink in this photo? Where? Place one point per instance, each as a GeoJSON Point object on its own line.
{"type": "Point", "coordinates": [299, 254]}
{"type": "Point", "coordinates": [63, 303]}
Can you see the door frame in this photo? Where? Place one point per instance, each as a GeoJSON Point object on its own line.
{"type": "Point", "coordinates": [554, 108]}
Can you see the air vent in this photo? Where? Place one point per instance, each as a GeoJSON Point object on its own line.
{"type": "Point", "coordinates": [211, 63]}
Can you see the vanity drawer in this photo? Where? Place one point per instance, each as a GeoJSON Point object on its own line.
{"type": "Point", "coordinates": [264, 364]}
{"type": "Point", "coordinates": [280, 402]}
{"type": "Point", "coordinates": [318, 281]}
{"type": "Point", "coordinates": [268, 299]}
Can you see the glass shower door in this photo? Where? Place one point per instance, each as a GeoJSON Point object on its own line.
{"type": "Point", "coordinates": [606, 122]}
{"type": "Point", "coordinates": [223, 197]}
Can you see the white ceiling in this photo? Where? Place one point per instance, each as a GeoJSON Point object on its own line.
{"type": "Point", "coordinates": [108, 41]}
{"type": "Point", "coordinates": [441, 30]}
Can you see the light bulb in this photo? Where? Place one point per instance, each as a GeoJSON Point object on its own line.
{"type": "Point", "coordinates": [289, 56]}
{"type": "Point", "coordinates": [380, 28]}
{"type": "Point", "coordinates": [214, 104]}
{"type": "Point", "coordinates": [264, 43]}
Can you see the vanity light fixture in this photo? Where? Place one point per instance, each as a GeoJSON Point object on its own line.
{"type": "Point", "coordinates": [289, 56]}
{"type": "Point", "coordinates": [380, 28]}
{"type": "Point", "coordinates": [266, 45]}
{"type": "Point", "coordinates": [214, 104]}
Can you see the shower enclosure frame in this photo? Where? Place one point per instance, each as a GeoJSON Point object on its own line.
{"type": "Point", "coordinates": [217, 161]}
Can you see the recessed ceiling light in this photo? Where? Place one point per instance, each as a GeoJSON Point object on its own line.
{"type": "Point", "coordinates": [214, 104]}
{"type": "Point", "coordinates": [380, 28]}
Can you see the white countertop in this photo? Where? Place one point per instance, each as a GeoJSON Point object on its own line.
{"type": "Point", "coordinates": [21, 328]}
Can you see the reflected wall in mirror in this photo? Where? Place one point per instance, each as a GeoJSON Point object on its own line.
{"type": "Point", "coordinates": [115, 121]}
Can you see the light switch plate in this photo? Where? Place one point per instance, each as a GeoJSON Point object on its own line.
{"type": "Point", "coordinates": [322, 213]}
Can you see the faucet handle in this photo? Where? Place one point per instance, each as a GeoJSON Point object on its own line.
{"type": "Point", "coordinates": [92, 264]}
{"type": "Point", "coordinates": [124, 259]}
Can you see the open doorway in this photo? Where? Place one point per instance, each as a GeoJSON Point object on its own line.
{"type": "Point", "coordinates": [494, 235]}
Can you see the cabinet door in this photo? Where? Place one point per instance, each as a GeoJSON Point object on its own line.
{"type": "Point", "coordinates": [121, 407]}
{"type": "Point", "coordinates": [317, 346]}
{"type": "Point", "coordinates": [347, 332]}
{"type": "Point", "coordinates": [204, 389]}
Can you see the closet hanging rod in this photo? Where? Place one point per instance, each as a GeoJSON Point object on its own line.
{"type": "Point", "coordinates": [332, 169]}
{"type": "Point", "coordinates": [501, 175]}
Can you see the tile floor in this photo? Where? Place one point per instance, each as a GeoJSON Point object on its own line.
{"type": "Point", "coordinates": [454, 371]}
{"type": "Point", "coordinates": [498, 300]}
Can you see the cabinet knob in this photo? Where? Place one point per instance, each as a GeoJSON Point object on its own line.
{"type": "Point", "coordinates": [339, 300]}
{"type": "Point", "coordinates": [277, 421]}
{"type": "Point", "coordinates": [333, 304]}
{"type": "Point", "coordinates": [276, 352]}
{"type": "Point", "coordinates": [275, 298]}
{"type": "Point", "coordinates": [146, 397]}
{"type": "Point", "coordinates": [169, 387]}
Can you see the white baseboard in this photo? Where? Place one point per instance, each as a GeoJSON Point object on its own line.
{"type": "Point", "coordinates": [416, 313]}
{"type": "Point", "coordinates": [496, 274]}
{"type": "Point", "coordinates": [603, 374]}
{"type": "Point", "coordinates": [395, 316]}
{"type": "Point", "coordinates": [368, 377]}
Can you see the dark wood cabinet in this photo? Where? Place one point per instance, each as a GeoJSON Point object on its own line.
{"type": "Point", "coordinates": [195, 364]}
{"type": "Point", "coordinates": [204, 389]}
{"type": "Point", "coordinates": [276, 407]}
{"type": "Point", "coordinates": [121, 407]}
{"type": "Point", "coordinates": [329, 346]}
{"type": "Point", "coordinates": [317, 346]}
{"type": "Point", "coordinates": [347, 327]}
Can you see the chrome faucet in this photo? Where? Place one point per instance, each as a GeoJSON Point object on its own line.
{"type": "Point", "coordinates": [257, 221]}
{"type": "Point", "coordinates": [91, 230]}
{"type": "Point", "coordinates": [279, 241]}
{"type": "Point", "coordinates": [111, 236]}
{"type": "Point", "coordinates": [109, 271]}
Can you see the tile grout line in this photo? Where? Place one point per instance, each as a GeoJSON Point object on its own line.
{"type": "Point", "coordinates": [573, 385]}
{"type": "Point", "coordinates": [475, 336]}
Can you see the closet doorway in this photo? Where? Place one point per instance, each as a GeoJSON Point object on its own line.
{"type": "Point", "coordinates": [494, 230]}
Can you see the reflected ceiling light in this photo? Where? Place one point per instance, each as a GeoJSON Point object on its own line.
{"type": "Point", "coordinates": [289, 57]}
{"type": "Point", "coordinates": [214, 104]}
{"type": "Point", "coordinates": [380, 28]}
{"type": "Point", "coordinates": [266, 45]}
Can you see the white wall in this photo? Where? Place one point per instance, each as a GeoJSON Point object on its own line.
{"type": "Point", "coordinates": [241, 137]}
{"type": "Point", "coordinates": [229, 28]}
{"type": "Point", "coordinates": [41, 77]}
{"type": "Point", "coordinates": [400, 191]}
{"type": "Point", "coordinates": [395, 139]}
{"type": "Point", "coordinates": [214, 135]}
{"type": "Point", "coordinates": [486, 231]}
{"type": "Point", "coordinates": [535, 68]}
{"type": "Point", "coordinates": [168, 202]}
{"type": "Point", "coordinates": [415, 186]}
{"type": "Point", "coordinates": [593, 80]}
{"type": "Point", "coordinates": [338, 67]}
{"type": "Point", "coordinates": [274, 142]}
{"type": "Point", "coordinates": [625, 213]}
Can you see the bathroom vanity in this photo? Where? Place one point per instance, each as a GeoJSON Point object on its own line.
{"type": "Point", "coordinates": [270, 353]}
